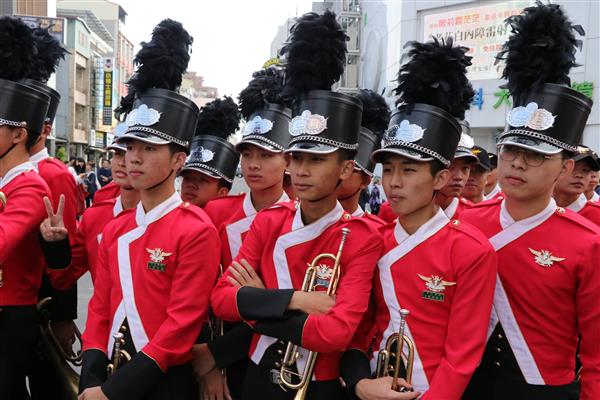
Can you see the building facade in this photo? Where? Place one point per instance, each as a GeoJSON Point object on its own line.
{"type": "Point", "coordinates": [388, 25]}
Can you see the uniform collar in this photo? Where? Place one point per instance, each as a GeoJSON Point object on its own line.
{"type": "Point", "coordinates": [425, 231]}
{"type": "Point", "coordinates": [39, 156]}
{"type": "Point", "coordinates": [493, 193]}
{"type": "Point", "coordinates": [578, 204]}
{"type": "Point", "coordinates": [118, 208]}
{"type": "Point", "coordinates": [143, 218]}
{"type": "Point", "coordinates": [328, 219]}
{"type": "Point", "coordinates": [359, 212]}
{"type": "Point", "coordinates": [595, 197]}
{"type": "Point", "coordinates": [507, 220]}
{"type": "Point", "coordinates": [249, 209]}
{"type": "Point", "coordinates": [15, 171]}
{"type": "Point", "coordinates": [451, 209]}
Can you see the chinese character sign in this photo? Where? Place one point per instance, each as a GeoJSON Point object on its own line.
{"type": "Point", "coordinates": [481, 29]}
{"type": "Point", "coordinates": [108, 90]}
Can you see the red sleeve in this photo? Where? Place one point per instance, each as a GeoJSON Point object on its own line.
{"type": "Point", "coordinates": [588, 317]}
{"type": "Point", "coordinates": [62, 182]}
{"type": "Point", "coordinates": [333, 331]}
{"type": "Point", "coordinates": [467, 324]}
{"type": "Point", "coordinates": [224, 296]}
{"type": "Point", "coordinates": [97, 327]}
{"type": "Point", "coordinates": [63, 279]}
{"type": "Point", "coordinates": [189, 298]}
{"type": "Point", "coordinates": [23, 213]}
{"type": "Point", "coordinates": [365, 333]}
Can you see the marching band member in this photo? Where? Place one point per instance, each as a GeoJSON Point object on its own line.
{"type": "Point", "coordinates": [157, 262]}
{"type": "Point", "coordinates": [548, 257]}
{"type": "Point", "coordinates": [449, 197]}
{"type": "Point", "coordinates": [65, 270]}
{"type": "Point", "coordinates": [442, 271]}
{"type": "Point", "coordinates": [492, 189]}
{"type": "Point", "coordinates": [590, 192]}
{"type": "Point", "coordinates": [210, 169]}
{"type": "Point", "coordinates": [262, 285]}
{"type": "Point", "coordinates": [62, 308]}
{"type": "Point", "coordinates": [23, 111]}
{"type": "Point", "coordinates": [264, 137]}
{"type": "Point", "coordinates": [569, 191]}
{"type": "Point", "coordinates": [375, 118]}
{"type": "Point", "coordinates": [475, 187]}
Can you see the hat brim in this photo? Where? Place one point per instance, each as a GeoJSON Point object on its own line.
{"type": "Point", "coordinates": [116, 146]}
{"type": "Point", "coordinates": [142, 137]}
{"type": "Point", "coordinates": [592, 161]}
{"type": "Point", "coordinates": [311, 147]}
{"type": "Point", "coordinates": [198, 168]}
{"type": "Point", "coordinates": [528, 143]}
{"type": "Point", "coordinates": [466, 154]}
{"type": "Point", "coordinates": [257, 143]}
{"type": "Point", "coordinates": [378, 155]}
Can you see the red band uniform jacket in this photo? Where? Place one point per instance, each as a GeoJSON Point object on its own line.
{"type": "Point", "coordinates": [586, 208]}
{"type": "Point", "coordinates": [279, 246]}
{"type": "Point", "coordinates": [444, 274]}
{"type": "Point", "coordinates": [547, 293]}
{"type": "Point", "coordinates": [21, 259]}
{"type": "Point", "coordinates": [155, 270]}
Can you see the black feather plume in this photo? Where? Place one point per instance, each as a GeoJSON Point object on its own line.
{"type": "Point", "coordinates": [376, 112]}
{"type": "Point", "coordinates": [49, 54]}
{"type": "Point", "coordinates": [264, 88]}
{"type": "Point", "coordinates": [220, 117]}
{"type": "Point", "coordinates": [161, 62]}
{"type": "Point", "coordinates": [315, 54]}
{"type": "Point", "coordinates": [541, 49]}
{"type": "Point", "coordinates": [17, 52]}
{"type": "Point", "coordinates": [436, 75]}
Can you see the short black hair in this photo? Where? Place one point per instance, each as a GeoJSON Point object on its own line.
{"type": "Point", "coordinates": [346, 154]}
{"type": "Point", "coordinates": [436, 166]}
{"type": "Point", "coordinates": [176, 148]}
{"type": "Point", "coordinates": [222, 183]}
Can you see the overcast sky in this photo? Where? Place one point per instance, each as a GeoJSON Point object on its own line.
{"type": "Point", "coordinates": [232, 38]}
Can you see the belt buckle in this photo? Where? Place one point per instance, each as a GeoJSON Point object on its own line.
{"type": "Point", "coordinates": [274, 377]}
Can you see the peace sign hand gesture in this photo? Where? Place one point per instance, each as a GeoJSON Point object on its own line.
{"type": "Point", "coordinates": [53, 228]}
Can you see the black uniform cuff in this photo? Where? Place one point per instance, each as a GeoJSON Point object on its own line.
{"type": "Point", "coordinates": [56, 254]}
{"type": "Point", "coordinates": [134, 379]}
{"type": "Point", "coordinates": [63, 306]}
{"type": "Point", "coordinates": [289, 328]}
{"type": "Point", "coordinates": [354, 367]}
{"type": "Point", "coordinates": [93, 369]}
{"type": "Point", "coordinates": [254, 303]}
{"type": "Point", "coordinates": [232, 346]}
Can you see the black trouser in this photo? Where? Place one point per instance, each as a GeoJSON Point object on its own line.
{"type": "Point", "coordinates": [178, 383]}
{"type": "Point", "coordinates": [490, 385]}
{"type": "Point", "coordinates": [259, 385]}
{"type": "Point", "coordinates": [19, 333]}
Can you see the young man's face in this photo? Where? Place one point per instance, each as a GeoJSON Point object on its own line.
{"type": "Point", "coordinates": [119, 169]}
{"type": "Point", "coordinates": [316, 176]}
{"type": "Point", "coordinates": [409, 185]}
{"type": "Point", "coordinates": [150, 164]}
{"type": "Point", "coordinates": [9, 136]}
{"type": "Point", "coordinates": [577, 181]}
{"type": "Point", "coordinates": [530, 175]}
{"type": "Point", "coordinates": [262, 169]}
{"type": "Point", "coordinates": [459, 173]}
{"type": "Point", "coordinates": [593, 180]}
{"type": "Point", "coordinates": [198, 188]}
{"type": "Point", "coordinates": [354, 184]}
{"type": "Point", "coordinates": [105, 164]}
{"type": "Point", "coordinates": [476, 183]}
{"type": "Point", "coordinates": [492, 180]}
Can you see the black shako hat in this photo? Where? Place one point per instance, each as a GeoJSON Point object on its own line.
{"type": "Point", "coordinates": [548, 116]}
{"type": "Point", "coordinates": [156, 113]}
{"type": "Point", "coordinates": [212, 154]}
{"type": "Point", "coordinates": [589, 155]}
{"type": "Point", "coordinates": [375, 120]}
{"type": "Point", "coordinates": [434, 94]}
{"type": "Point", "coordinates": [20, 105]}
{"type": "Point", "coordinates": [315, 54]}
{"type": "Point", "coordinates": [265, 111]}
{"type": "Point", "coordinates": [466, 143]}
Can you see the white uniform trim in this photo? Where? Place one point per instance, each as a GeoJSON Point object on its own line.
{"type": "Point", "coordinates": [406, 243]}
{"type": "Point", "coordinates": [359, 212]}
{"type": "Point", "coordinates": [235, 230]}
{"type": "Point", "coordinates": [16, 171]}
{"type": "Point", "coordinates": [39, 156]}
{"type": "Point", "coordinates": [493, 193]}
{"type": "Point", "coordinates": [300, 233]}
{"type": "Point", "coordinates": [502, 311]}
{"type": "Point", "coordinates": [452, 207]}
{"type": "Point", "coordinates": [595, 197]}
{"type": "Point", "coordinates": [143, 219]}
{"type": "Point", "coordinates": [578, 204]}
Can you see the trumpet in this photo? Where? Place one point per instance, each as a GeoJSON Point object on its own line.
{"type": "Point", "coordinates": [120, 356]}
{"type": "Point", "coordinates": [292, 351]}
{"type": "Point", "coordinates": [394, 348]}
{"type": "Point", "coordinates": [215, 325]}
{"type": "Point", "coordinates": [2, 199]}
